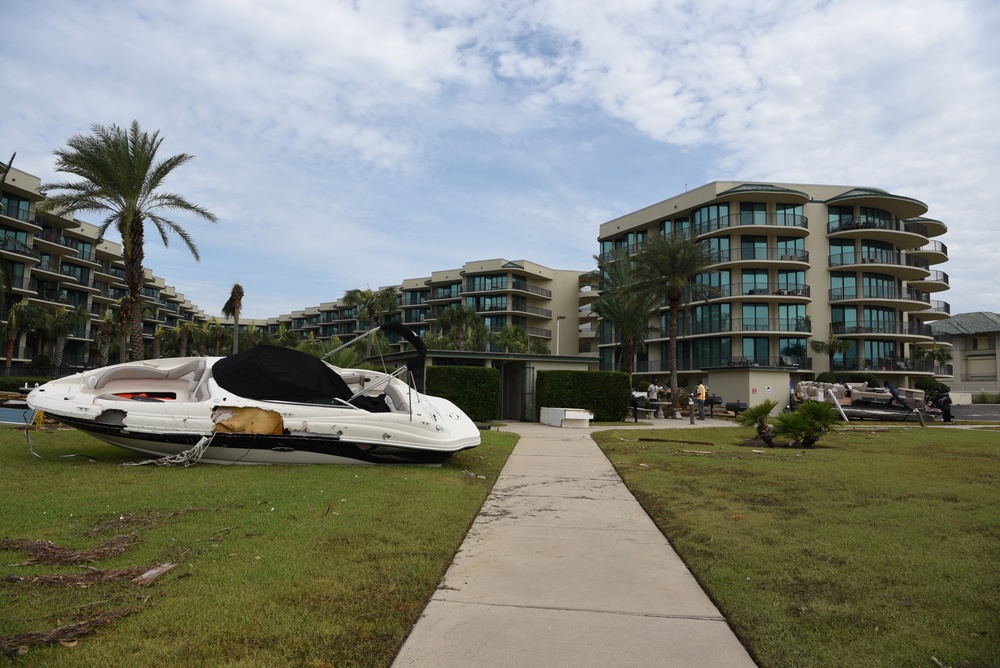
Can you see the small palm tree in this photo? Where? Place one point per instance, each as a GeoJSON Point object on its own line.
{"type": "Point", "coordinates": [673, 266]}
{"type": "Point", "coordinates": [22, 317]}
{"type": "Point", "coordinates": [375, 305]}
{"type": "Point", "coordinates": [457, 321]}
{"type": "Point", "coordinates": [231, 309]}
{"type": "Point", "coordinates": [831, 347]}
{"type": "Point", "coordinates": [119, 174]}
{"type": "Point", "coordinates": [511, 339]}
{"type": "Point", "coordinates": [807, 423]}
{"type": "Point", "coordinates": [625, 302]}
{"type": "Point", "coordinates": [105, 333]}
{"type": "Point", "coordinates": [185, 331]}
{"type": "Point", "coordinates": [60, 323]}
{"type": "Point", "coordinates": [758, 416]}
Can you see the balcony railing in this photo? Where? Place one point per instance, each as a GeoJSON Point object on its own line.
{"type": "Point", "coordinates": [880, 292]}
{"type": "Point", "coordinates": [898, 328]}
{"type": "Point", "coordinates": [878, 257]}
{"type": "Point", "coordinates": [750, 325]}
{"type": "Point", "coordinates": [938, 306]}
{"type": "Point", "coordinates": [663, 366]}
{"type": "Point", "coordinates": [745, 218]}
{"type": "Point", "coordinates": [869, 223]}
{"type": "Point", "coordinates": [769, 254]}
{"type": "Point", "coordinates": [897, 364]}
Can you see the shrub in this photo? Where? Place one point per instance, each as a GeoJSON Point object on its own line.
{"type": "Point", "coordinates": [807, 423]}
{"type": "Point", "coordinates": [474, 389]}
{"type": "Point", "coordinates": [605, 393]}
{"type": "Point", "coordinates": [758, 416]}
{"type": "Point", "coordinates": [16, 383]}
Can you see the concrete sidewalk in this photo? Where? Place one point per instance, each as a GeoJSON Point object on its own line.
{"type": "Point", "coordinates": [562, 567]}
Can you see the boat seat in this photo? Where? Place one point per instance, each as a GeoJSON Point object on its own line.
{"type": "Point", "coordinates": [397, 396]}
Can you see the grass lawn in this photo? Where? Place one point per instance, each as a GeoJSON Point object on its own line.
{"type": "Point", "coordinates": [879, 547]}
{"type": "Point", "coordinates": [277, 565]}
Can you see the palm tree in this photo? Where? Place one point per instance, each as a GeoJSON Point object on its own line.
{"type": "Point", "coordinates": [511, 339]}
{"type": "Point", "coordinates": [832, 346]}
{"type": "Point", "coordinates": [60, 323]}
{"type": "Point", "coordinates": [121, 175]}
{"type": "Point", "coordinates": [105, 332]}
{"type": "Point", "coordinates": [757, 416]}
{"type": "Point", "coordinates": [158, 335]}
{"type": "Point", "coordinates": [672, 266]}
{"type": "Point", "coordinates": [185, 331]}
{"type": "Point", "coordinates": [375, 304]}
{"type": "Point", "coordinates": [231, 309]}
{"type": "Point", "coordinates": [625, 302]}
{"type": "Point", "coordinates": [457, 321]}
{"type": "Point", "coordinates": [22, 317]}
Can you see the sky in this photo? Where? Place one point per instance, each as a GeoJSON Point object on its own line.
{"type": "Point", "coordinates": [355, 144]}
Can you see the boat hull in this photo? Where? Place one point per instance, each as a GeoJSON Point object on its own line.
{"type": "Point", "coordinates": [162, 408]}
{"type": "Point", "coordinates": [259, 448]}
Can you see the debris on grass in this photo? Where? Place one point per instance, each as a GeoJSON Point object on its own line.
{"type": "Point", "coordinates": [67, 635]}
{"type": "Point", "coordinates": [47, 552]}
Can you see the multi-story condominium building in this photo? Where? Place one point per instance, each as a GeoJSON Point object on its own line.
{"type": "Point", "coordinates": [792, 263]}
{"type": "Point", "coordinates": [56, 261]}
{"type": "Point", "coordinates": [544, 302]}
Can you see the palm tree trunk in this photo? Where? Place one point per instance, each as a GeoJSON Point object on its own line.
{"type": "Point", "coordinates": [675, 400]}
{"type": "Point", "coordinates": [135, 278]}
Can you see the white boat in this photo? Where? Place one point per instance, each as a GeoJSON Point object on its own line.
{"type": "Point", "coordinates": [267, 405]}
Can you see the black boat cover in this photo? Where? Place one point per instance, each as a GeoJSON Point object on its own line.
{"type": "Point", "coordinates": [270, 373]}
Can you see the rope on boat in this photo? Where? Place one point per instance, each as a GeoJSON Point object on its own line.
{"type": "Point", "coordinates": [185, 459]}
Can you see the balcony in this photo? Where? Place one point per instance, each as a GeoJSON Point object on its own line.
{"type": "Point", "coordinates": [892, 230]}
{"type": "Point", "coordinates": [9, 244]}
{"type": "Point", "coordinates": [934, 252]}
{"type": "Point", "coordinates": [903, 265]}
{"type": "Point", "coordinates": [22, 219]}
{"type": "Point", "coordinates": [935, 282]}
{"type": "Point", "coordinates": [885, 364]}
{"type": "Point", "coordinates": [735, 325]}
{"type": "Point", "coordinates": [787, 222]}
{"type": "Point", "coordinates": [768, 254]}
{"type": "Point", "coordinates": [905, 296]}
{"type": "Point", "coordinates": [873, 329]}
{"type": "Point", "coordinates": [783, 362]}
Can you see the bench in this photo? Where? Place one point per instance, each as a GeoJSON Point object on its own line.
{"type": "Point", "coordinates": [566, 417]}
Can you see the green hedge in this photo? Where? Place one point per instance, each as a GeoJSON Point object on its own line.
{"type": "Point", "coordinates": [605, 393]}
{"type": "Point", "coordinates": [474, 389]}
{"type": "Point", "coordinates": [15, 383]}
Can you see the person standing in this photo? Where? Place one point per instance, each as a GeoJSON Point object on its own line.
{"type": "Point", "coordinates": [653, 391]}
{"type": "Point", "coordinates": [700, 393]}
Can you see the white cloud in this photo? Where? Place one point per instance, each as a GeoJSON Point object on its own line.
{"type": "Point", "coordinates": [353, 143]}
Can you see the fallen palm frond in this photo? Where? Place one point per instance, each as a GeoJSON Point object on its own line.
{"type": "Point", "coordinates": [46, 552]}
{"type": "Point", "coordinates": [90, 577]}
{"type": "Point", "coordinates": [146, 519]}
{"type": "Point", "coordinates": [22, 642]}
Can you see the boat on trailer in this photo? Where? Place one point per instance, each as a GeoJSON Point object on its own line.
{"type": "Point", "coordinates": [266, 405]}
{"type": "Point", "coordinates": [859, 401]}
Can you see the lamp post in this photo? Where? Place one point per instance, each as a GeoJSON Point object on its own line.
{"type": "Point", "coordinates": [559, 320]}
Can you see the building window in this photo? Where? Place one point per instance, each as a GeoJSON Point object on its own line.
{"type": "Point", "coordinates": [753, 213]}
{"type": "Point", "coordinates": [789, 214]}
{"type": "Point", "coordinates": [753, 247]}
{"type": "Point", "coordinates": [755, 349]}
{"type": "Point", "coordinates": [709, 218]}
{"type": "Point", "coordinates": [755, 282]}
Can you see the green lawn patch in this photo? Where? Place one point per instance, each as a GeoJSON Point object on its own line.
{"type": "Point", "coordinates": [276, 565]}
{"type": "Point", "coordinates": [876, 548]}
